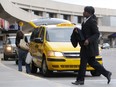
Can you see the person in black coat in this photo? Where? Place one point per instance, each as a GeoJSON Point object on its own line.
{"type": "Point", "coordinates": [89, 47]}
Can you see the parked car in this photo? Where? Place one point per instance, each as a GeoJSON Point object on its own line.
{"type": "Point", "coordinates": [105, 46]}
{"type": "Point", "coordinates": [9, 48]}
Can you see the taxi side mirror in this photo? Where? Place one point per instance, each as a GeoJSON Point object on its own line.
{"type": "Point", "coordinates": [38, 40]}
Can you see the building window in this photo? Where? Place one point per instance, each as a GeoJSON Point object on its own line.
{"type": "Point", "coordinates": [25, 9]}
{"type": "Point", "coordinates": [79, 19]}
{"type": "Point", "coordinates": [52, 15]}
{"type": "Point", "coordinates": [40, 13]}
{"type": "Point", "coordinates": [35, 12]}
{"type": "Point", "coordinates": [67, 17]}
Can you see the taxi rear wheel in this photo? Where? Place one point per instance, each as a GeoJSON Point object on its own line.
{"type": "Point", "coordinates": [45, 70]}
{"type": "Point", "coordinates": [95, 73]}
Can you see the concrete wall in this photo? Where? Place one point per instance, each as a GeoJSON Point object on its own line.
{"type": "Point", "coordinates": [50, 5]}
{"type": "Point", "coordinates": [13, 10]}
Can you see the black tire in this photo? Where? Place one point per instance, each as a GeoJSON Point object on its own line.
{"type": "Point", "coordinates": [5, 57]}
{"type": "Point", "coordinates": [33, 68]}
{"type": "Point", "coordinates": [45, 70]}
{"type": "Point", "coordinates": [95, 73]}
{"type": "Point", "coordinates": [76, 71]}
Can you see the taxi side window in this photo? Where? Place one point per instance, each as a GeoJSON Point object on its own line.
{"type": "Point", "coordinates": [34, 34]}
{"type": "Point", "coordinates": [42, 33]}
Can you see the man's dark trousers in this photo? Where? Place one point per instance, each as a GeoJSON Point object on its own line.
{"type": "Point", "coordinates": [92, 62]}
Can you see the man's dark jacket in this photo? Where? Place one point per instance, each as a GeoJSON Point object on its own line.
{"type": "Point", "coordinates": [76, 37]}
{"type": "Point", "coordinates": [90, 31]}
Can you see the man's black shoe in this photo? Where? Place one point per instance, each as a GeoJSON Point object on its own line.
{"type": "Point", "coordinates": [109, 77]}
{"type": "Point", "coordinates": [78, 83]}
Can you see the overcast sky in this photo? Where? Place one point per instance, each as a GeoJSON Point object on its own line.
{"type": "Point", "coordinates": [111, 4]}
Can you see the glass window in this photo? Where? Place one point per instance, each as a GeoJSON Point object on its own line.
{"type": "Point", "coordinates": [79, 19]}
{"type": "Point", "coordinates": [34, 34]}
{"type": "Point", "coordinates": [63, 36]}
{"type": "Point", "coordinates": [67, 17]}
{"type": "Point", "coordinates": [52, 15]}
{"type": "Point", "coordinates": [42, 33]}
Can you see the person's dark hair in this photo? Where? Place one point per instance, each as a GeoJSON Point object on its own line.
{"type": "Point", "coordinates": [91, 11]}
{"type": "Point", "coordinates": [20, 34]}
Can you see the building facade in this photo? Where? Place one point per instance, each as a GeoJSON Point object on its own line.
{"type": "Point", "coordinates": [52, 9]}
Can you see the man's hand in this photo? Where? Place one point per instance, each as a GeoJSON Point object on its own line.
{"type": "Point", "coordinates": [86, 42]}
{"type": "Point", "coordinates": [76, 30]}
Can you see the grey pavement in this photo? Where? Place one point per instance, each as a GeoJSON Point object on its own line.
{"type": "Point", "coordinates": [12, 78]}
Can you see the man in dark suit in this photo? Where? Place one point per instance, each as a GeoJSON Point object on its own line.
{"type": "Point", "coordinates": [89, 47]}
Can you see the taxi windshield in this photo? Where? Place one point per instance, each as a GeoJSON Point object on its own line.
{"type": "Point", "coordinates": [59, 34]}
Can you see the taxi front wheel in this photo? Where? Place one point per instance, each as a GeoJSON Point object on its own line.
{"type": "Point", "coordinates": [45, 70]}
{"type": "Point", "coordinates": [95, 73]}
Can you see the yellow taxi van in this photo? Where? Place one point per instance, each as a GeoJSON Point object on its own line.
{"type": "Point", "coordinates": [51, 48]}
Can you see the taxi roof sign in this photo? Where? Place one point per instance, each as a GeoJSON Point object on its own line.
{"type": "Point", "coordinates": [65, 24]}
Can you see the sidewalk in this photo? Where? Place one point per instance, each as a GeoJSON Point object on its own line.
{"type": "Point", "coordinates": [12, 78]}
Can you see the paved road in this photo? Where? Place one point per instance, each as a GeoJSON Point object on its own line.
{"type": "Point", "coordinates": [65, 78]}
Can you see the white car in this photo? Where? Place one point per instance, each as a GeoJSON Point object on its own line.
{"type": "Point", "coordinates": [9, 48]}
{"type": "Point", "coordinates": [105, 46]}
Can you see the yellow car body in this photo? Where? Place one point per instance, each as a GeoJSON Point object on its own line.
{"type": "Point", "coordinates": [52, 50]}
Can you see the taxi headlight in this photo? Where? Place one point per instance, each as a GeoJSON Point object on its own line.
{"type": "Point", "coordinates": [8, 48]}
{"type": "Point", "coordinates": [58, 54]}
{"type": "Point", "coordinates": [51, 53]}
